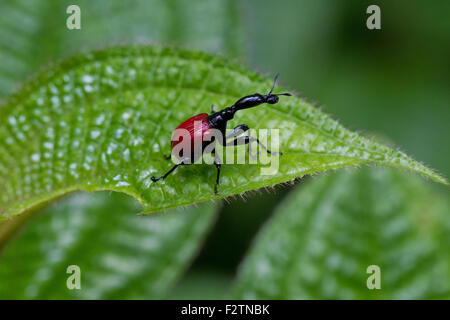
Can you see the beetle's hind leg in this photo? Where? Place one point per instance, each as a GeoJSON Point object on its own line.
{"type": "Point", "coordinates": [167, 173]}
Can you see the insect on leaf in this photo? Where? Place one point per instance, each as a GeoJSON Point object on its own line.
{"type": "Point", "coordinates": [103, 120]}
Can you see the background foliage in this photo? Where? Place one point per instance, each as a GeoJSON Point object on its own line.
{"type": "Point", "coordinates": [392, 81]}
{"type": "Point", "coordinates": [101, 233]}
{"type": "Point", "coordinates": [381, 217]}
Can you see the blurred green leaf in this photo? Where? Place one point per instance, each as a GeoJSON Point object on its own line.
{"type": "Point", "coordinates": [202, 284]}
{"type": "Point", "coordinates": [34, 33]}
{"type": "Point", "coordinates": [103, 120]}
{"type": "Point", "coordinates": [121, 255]}
{"type": "Point", "coordinates": [325, 235]}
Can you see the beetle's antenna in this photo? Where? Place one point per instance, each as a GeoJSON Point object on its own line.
{"type": "Point", "coordinates": [274, 82]}
{"type": "Point", "coordinates": [275, 79]}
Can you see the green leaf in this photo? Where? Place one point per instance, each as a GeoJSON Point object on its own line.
{"type": "Point", "coordinates": [34, 33]}
{"type": "Point", "coordinates": [103, 120]}
{"type": "Point", "coordinates": [120, 255]}
{"type": "Point", "coordinates": [325, 235]}
{"type": "Point", "coordinates": [42, 37]}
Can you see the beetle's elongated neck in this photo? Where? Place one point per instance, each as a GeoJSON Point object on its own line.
{"type": "Point", "coordinates": [249, 101]}
{"type": "Point", "coordinates": [219, 119]}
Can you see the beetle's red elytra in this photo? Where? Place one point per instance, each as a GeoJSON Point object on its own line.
{"type": "Point", "coordinates": [189, 125]}
{"type": "Point", "coordinates": [197, 127]}
{"type": "Point", "coordinates": [218, 120]}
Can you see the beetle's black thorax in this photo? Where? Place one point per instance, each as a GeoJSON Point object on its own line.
{"type": "Point", "coordinates": [218, 120]}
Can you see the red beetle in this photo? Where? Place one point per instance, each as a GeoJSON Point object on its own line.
{"type": "Point", "coordinates": [218, 120]}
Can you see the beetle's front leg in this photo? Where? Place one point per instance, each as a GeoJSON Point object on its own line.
{"type": "Point", "coordinates": [247, 140]}
{"type": "Point", "coordinates": [217, 162]}
{"type": "Point", "coordinates": [218, 165]}
{"type": "Point", "coordinates": [240, 129]}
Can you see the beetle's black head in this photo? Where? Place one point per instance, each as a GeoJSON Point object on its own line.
{"type": "Point", "coordinates": [272, 98]}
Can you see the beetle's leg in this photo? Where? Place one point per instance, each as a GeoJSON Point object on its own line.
{"type": "Point", "coordinates": [247, 140]}
{"type": "Point", "coordinates": [212, 109]}
{"type": "Point", "coordinates": [243, 140]}
{"type": "Point", "coordinates": [240, 129]}
{"type": "Point", "coordinates": [218, 165]}
{"type": "Point", "coordinates": [167, 157]}
{"type": "Point", "coordinates": [237, 131]}
{"type": "Point", "coordinates": [167, 173]}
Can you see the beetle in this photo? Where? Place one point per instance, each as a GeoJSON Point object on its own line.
{"type": "Point", "coordinates": [218, 120]}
